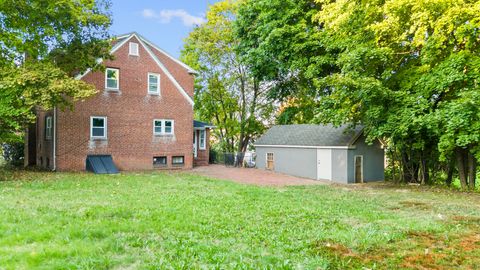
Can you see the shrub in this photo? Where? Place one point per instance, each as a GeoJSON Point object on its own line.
{"type": "Point", "coordinates": [13, 153]}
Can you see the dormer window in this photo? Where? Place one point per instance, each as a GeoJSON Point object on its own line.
{"type": "Point", "coordinates": [133, 49]}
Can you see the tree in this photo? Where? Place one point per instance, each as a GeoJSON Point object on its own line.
{"type": "Point", "coordinates": [282, 44]}
{"type": "Point", "coordinates": [423, 57]}
{"type": "Point", "coordinates": [407, 70]}
{"type": "Point", "coordinates": [227, 94]}
{"type": "Point", "coordinates": [44, 44]}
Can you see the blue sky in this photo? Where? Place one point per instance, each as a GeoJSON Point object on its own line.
{"type": "Point", "coordinates": [164, 22]}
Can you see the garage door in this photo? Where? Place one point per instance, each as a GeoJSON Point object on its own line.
{"type": "Point", "coordinates": [324, 164]}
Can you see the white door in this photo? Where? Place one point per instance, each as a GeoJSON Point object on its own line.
{"type": "Point", "coordinates": [324, 164]}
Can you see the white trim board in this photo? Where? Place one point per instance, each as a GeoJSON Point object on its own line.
{"type": "Point", "coordinates": [305, 146]}
{"type": "Point", "coordinates": [189, 69]}
{"type": "Point", "coordinates": [165, 70]}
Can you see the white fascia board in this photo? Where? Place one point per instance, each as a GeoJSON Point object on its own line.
{"type": "Point", "coordinates": [189, 69]}
{"type": "Point", "coordinates": [305, 146]}
{"type": "Point", "coordinates": [165, 70]}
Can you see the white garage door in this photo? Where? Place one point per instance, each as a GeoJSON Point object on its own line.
{"type": "Point", "coordinates": [324, 164]}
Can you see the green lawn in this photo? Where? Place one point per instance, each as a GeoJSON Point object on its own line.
{"type": "Point", "coordinates": [180, 221]}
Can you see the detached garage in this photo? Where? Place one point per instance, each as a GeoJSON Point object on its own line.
{"type": "Point", "coordinates": [321, 152]}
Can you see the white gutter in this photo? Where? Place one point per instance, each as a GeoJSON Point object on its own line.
{"type": "Point", "coordinates": [54, 138]}
{"type": "Point", "coordinates": [305, 146]}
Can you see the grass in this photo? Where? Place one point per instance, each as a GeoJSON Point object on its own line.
{"type": "Point", "coordinates": [185, 221]}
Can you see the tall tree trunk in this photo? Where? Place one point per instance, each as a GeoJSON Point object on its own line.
{"type": "Point", "coordinates": [462, 170]}
{"type": "Point", "coordinates": [450, 169]}
{"type": "Point", "coordinates": [407, 172]}
{"type": "Point", "coordinates": [472, 171]}
{"type": "Point", "coordinates": [392, 162]}
{"type": "Point", "coordinates": [425, 171]}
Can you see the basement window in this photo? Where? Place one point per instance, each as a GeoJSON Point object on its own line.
{"type": "Point", "coordinates": [178, 160]}
{"type": "Point", "coordinates": [160, 161]}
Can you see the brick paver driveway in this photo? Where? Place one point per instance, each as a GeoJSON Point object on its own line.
{"type": "Point", "coordinates": [253, 176]}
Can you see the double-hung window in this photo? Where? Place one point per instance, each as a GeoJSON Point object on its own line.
{"type": "Point", "coordinates": [154, 84]}
{"type": "Point", "coordinates": [202, 143]}
{"type": "Point", "coordinates": [98, 127]}
{"type": "Point", "coordinates": [163, 127]}
{"type": "Point", "coordinates": [48, 128]}
{"type": "Point", "coordinates": [112, 81]}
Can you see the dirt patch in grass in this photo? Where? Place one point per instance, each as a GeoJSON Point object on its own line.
{"type": "Point", "coordinates": [439, 252]}
{"type": "Point", "coordinates": [418, 250]}
{"type": "Point", "coordinates": [332, 248]}
{"type": "Point", "coordinates": [415, 204]}
{"type": "Point", "coordinates": [470, 242]}
{"type": "Point", "coordinates": [473, 220]}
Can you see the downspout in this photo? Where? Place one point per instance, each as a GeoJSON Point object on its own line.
{"type": "Point", "coordinates": [54, 138]}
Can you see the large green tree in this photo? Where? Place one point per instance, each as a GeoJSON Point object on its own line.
{"type": "Point", "coordinates": [44, 43]}
{"type": "Point", "coordinates": [227, 93]}
{"type": "Point", "coordinates": [406, 69]}
{"type": "Point", "coordinates": [283, 45]}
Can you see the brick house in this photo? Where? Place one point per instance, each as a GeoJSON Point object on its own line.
{"type": "Point", "coordinates": [142, 116]}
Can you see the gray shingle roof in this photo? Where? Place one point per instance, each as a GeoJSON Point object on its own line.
{"type": "Point", "coordinates": [198, 124]}
{"type": "Point", "coordinates": [309, 135]}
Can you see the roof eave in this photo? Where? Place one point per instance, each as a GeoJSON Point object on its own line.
{"type": "Point", "coordinates": [306, 146]}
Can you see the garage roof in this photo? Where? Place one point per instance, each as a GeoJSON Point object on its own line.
{"type": "Point", "coordinates": [309, 135]}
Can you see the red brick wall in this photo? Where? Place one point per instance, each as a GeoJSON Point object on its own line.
{"type": "Point", "coordinates": [130, 114]}
{"type": "Point", "coordinates": [177, 71]}
{"type": "Point", "coordinates": [203, 156]}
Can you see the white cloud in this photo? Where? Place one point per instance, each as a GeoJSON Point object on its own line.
{"type": "Point", "coordinates": [167, 15]}
{"type": "Point", "coordinates": [148, 13]}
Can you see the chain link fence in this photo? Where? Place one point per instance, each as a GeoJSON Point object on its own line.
{"type": "Point", "coordinates": [246, 160]}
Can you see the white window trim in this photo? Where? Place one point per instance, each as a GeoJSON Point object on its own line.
{"type": "Point", "coordinates": [118, 79]}
{"type": "Point", "coordinates": [130, 51]}
{"type": "Point", "coordinates": [162, 132]}
{"type": "Point", "coordinates": [158, 84]}
{"type": "Point", "coordinates": [105, 127]}
{"type": "Point", "coordinates": [48, 128]}
{"type": "Point", "coordinates": [204, 139]}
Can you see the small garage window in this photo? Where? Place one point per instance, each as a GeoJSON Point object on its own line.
{"type": "Point", "coordinates": [269, 163]}
{"type": "Point", "coordinates": [160, 161]}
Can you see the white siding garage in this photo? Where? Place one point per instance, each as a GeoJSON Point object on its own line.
{"type": "Point", "coordinates": [321, 153]}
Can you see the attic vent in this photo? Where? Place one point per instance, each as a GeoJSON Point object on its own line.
{"type": "Point", "coordinates": [133, 49]}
